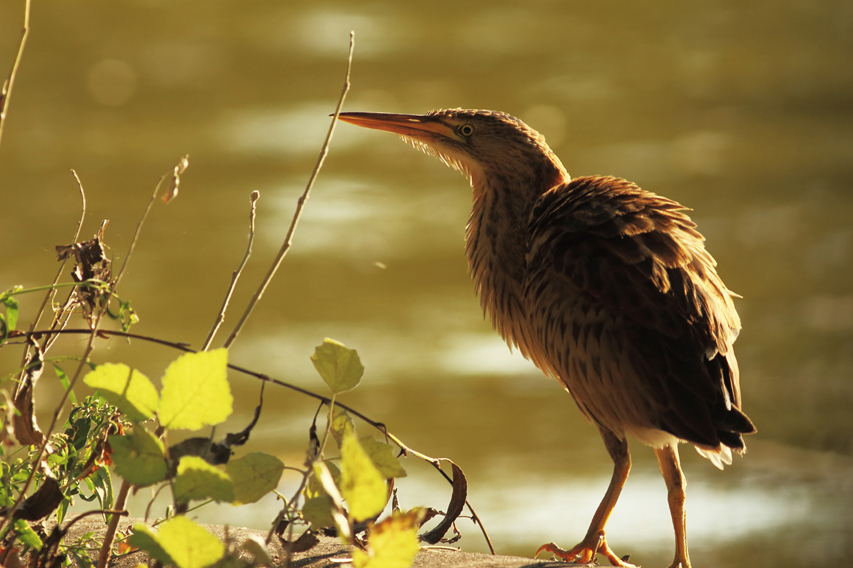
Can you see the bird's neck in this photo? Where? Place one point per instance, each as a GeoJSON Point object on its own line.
{"type": "Point", "coordinates": [496, 241]}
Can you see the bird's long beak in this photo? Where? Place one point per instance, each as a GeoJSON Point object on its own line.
{"type": "Point", "coordinates": [417, 126]}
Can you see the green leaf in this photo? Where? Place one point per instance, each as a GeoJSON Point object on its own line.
{"type": "Point", "coordinates": [182, 541]}
{"type": "Point", "coordinates": [340, 424]}
{"type": "Point", "coordinates": [315, 486]}
{"type": "Point", "coordinates": [144, 538]}
{"type": "Point", "coordinates": [382, 456]}
{"type": "Point", "coordinates": [318, 512]}
{"type": "Point", "coordinates": [339, 366]}
{"type": "Point", "coordinates": [11, 313]}
{"type": "Point", "coordinates": [128, 389]}
{"type": "Point", "coordinates": [195, 391]}
{"type": "Point", "coordinates": [139, 457]}
{"type": "Point", "coordinates": [362, 485]}
{"type": "Point", "coordinates": [66, 384]}
{"type": "Point", "coordinates": [197, 479]}
{"type": "Point", "coordinates": [26, 534]}
{"type": "Point", "coordinates": [254, 475]}
{"type": "Point", "coordinates": [190, 545]}
{"type": "Point", "coordinates": [393, 543]}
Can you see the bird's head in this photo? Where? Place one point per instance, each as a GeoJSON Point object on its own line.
{"type": "Point", "coordinates": [484, 145]}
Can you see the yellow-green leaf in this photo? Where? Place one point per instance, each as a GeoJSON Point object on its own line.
{"type": "Point", "coordinates": [339, 365]}
{"type": "Point", "coordinates": [393, 543]}
{"type": "Point", "coordinates": [195, 391]}
{"type": "Point", "coordinates": [340, 424]}
{"type": "Point", "coordinates": [362, 485]}
{"type": "Point", "coordinates": [128, 389]}
{"type": "Point", "coordinates": [145, 538]}
{"type": "Point", "coordinates": [254, 475]}
{"type": "Point", "coordinates": [139, 457]}
{"type": "Point", "coordinates": [189, 544]}
{"type": "Point", "coordinates": [315, 486]}
{"type": "Point", "coordinates": [318, 512]}
{"type": "Point", "coordinates": [382, 456]}
{"type": "Point", "coordinates": [197, 479]}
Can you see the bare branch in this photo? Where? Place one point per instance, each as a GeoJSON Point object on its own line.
{"type": "Point", "coordinates": [300, 204]}
{"type": "Point", "coordinates": [6, 92]}
{"type": "Point", "coordinates": [235, 275]}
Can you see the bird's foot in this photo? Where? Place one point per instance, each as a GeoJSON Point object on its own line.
{"type": "Point", "coordinates": [585, 552]}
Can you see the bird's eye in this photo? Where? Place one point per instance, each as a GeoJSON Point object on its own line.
{"type": "Point", "coordinates": [465, 130]}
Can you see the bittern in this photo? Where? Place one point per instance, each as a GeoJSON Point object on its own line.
{"type": "Point", "coordinates": [603, 285]}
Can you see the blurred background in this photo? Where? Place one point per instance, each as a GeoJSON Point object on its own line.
{"type": "Point", "coordinates": [739, 110]}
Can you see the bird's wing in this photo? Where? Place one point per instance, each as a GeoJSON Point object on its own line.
{"type": "Point", "coordinates": [639, 257]}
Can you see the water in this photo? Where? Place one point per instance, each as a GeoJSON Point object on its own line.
{"type": "Point", "coordinates": [741, 112]}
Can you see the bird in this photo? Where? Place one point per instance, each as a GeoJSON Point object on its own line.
{"type": "Point", "coordinates": [604, 286]}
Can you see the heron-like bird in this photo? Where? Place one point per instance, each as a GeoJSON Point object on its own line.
{"type": "Point", "coordinates": [603, 285]}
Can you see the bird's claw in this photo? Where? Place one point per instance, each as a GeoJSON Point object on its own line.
{"type": "Point", "coordinates": [585, 552]}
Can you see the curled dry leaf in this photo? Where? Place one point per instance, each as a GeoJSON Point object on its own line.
{"type": "Point", "coordinates": [41, 503]}
{"type": "Point", "coordinates": [91, 263]}
{"type": "Point", "coordinates": [176, 179]}
{"type": "Point", "coordinates": [27, 430]}
{"type": "Point", "coordinates": [457, 503]}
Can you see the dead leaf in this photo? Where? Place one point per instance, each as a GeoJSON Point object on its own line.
{"type": "Point", "coordinates": [306, 541]}
{"type": "Point", "coordinates": [91, 263]}
{"type": "Point", "coordinates": [41, 503]}
{"type": "Point", "coordinates": [457, 503]}
{"type": "Point", "coordinates": [27, 430]}
{"type": "Point", "coordinates": [176, 179]}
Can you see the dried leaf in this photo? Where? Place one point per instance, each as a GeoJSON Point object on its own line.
{"type": "Point", "coordinates": [306, 541]}
{"type": "Point", "coordinates": [27, 430]}
{"type": "Point", "coordinates": [176, 179]}
{"type": "Point", "coordinates": [91, 263]}
{"type": "Point", "coordinates": [457, 503]}
{"type": "Point", "coordinates": [41, 503]}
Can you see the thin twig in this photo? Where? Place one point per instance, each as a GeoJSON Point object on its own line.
{"type": "Point", "coordinates": [107, 543]}
{"type": "Point", "coordinates": [236, 274]}
{"type": "Point", "coordinates": [93, 332]}
{"type": "Point", "coordinates": [300, 204]}
{"type": "Point", "coordinates": [6, 92]}
{"type": "Point", "coordinates": [51, 293]}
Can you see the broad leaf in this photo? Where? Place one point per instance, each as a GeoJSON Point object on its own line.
{"type": "Point", "coordinates": [382, 456]}
{"type": "Point", "coordinates": [340, 424]}
{"type": "Point", "coordinates": [393, 543]}
{"type": "Point", "coordinates": [197, 479]}
{"type": "Point", "coordinates": [362, 485]}
{"type": "Point", "coordinates": [195, 391]}
{"type": "Point", "coordinates": [318, 512]}
{"type": "Point", "coordinates": [139, 457]}
{"type": "Point", "coordinates": [185, 542]}
{"type": "Point", "coordinates": [144, 538]}
{"type": "Point", "coordinates": [339, 365]}
{"type": "Point", "coordinates": [254, 475]}
{"type": "Point", "coordinates": [128, 389]}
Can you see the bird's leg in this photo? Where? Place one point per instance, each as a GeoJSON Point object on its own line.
{"type": "Point", "coordinates": [594, 541]}
{"type": "Point", "coordinates": [670, 467]}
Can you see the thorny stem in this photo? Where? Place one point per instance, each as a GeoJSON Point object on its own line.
{"type": "Point", "coordinates": [435, 462]}
{"type": "Point", "coordinates": [8, 85]}
{"type": "Point", "coordinates": [300, 204]}
{"type": "Point", "coordinates": [236, 274]}
{"type": "Point", "coordinates": [85, 357]}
